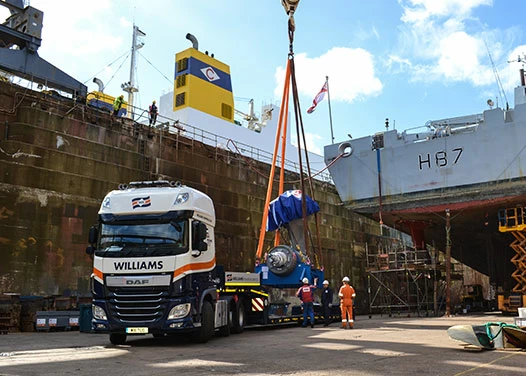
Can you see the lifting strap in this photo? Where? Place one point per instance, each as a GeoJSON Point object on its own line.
{"type": "Point", "coordinates": [281, 134]}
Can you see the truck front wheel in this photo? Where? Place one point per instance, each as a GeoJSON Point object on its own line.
{"type": "Point", "coordinates": [207, 323]}
{"type": "Point", "coordinates": [118, 338]}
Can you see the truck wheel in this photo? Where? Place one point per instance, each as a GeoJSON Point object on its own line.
{"type": "Point", "coordinates": [118, 338]}
{"type": "Point", "coordinates": [207, 323]}
{"type": "Point", "coordinates": [224, 331]}
{"type": "Point", "coordinates": [238, 318]}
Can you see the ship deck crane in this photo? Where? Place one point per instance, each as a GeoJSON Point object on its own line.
{"type": "Point", "coordinates": [253, 122]}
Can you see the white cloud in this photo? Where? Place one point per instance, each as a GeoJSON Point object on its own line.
{"type": "Point", "coordinates": [350, 70]}
{"type": "Point", "coordinates": [312, 140]}
{"type": "Point", "coordinates": [364, 33]}
{"type": "Point", "coordinates": [421, 10]}
{"type": "Point", "coordinates": [440, 45]}
{"type": "Point", "coordinates": [398, 64]}
{"type": "Point", "coordinates": [510, 77]}
{"type": "Point", "coordinates": [352, 77]}
{"type": "Point", "coordinates": [125, 23]}
{"type": "Point", "coordinates": [375, 32]}
{"type": "Point", "coordinates": [459, 56]}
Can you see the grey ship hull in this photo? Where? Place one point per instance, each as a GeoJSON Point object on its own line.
{"type": "Point", "coordinates": [458, 162]}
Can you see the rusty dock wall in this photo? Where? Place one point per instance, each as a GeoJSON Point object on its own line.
{"type": "Point", "coordinates": [58, 159]}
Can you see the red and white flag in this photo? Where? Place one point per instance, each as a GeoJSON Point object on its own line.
{"type": "Point", "coordinates": [318, 98]}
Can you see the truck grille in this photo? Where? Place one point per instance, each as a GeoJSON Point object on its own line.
{"type": "Point", "coordinates": [138, 305]}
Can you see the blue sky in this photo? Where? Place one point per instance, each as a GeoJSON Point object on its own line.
{"type": "Point", "coordinates": [408, 60]}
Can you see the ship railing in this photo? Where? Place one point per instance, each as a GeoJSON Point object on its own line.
{"type": "Point", "coordinates": [179, 130]}
{"type": "Point", "coordinates": [436, 130]}
{"type": "Point", "coordinates": [399, 259]}
{"type": "Point", "coordinates": [176, 128]}
{"type": "Point", "coordinates": [458, 121]}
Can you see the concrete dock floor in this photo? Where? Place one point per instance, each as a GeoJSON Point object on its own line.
{"type": "Point", "coordinates": [380, 345]}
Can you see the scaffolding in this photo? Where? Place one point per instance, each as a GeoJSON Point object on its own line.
{"type": "Point", "coordinates": [404, 279]}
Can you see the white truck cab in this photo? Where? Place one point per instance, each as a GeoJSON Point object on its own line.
{"type": "Point", "coordinates": [154, 262]}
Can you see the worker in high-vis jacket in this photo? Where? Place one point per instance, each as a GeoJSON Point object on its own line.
{"type": "Point", "coordinates": [306, 295]}
{"type": "Point", "coordinates": [117, 104]}
{"type": "Point", "coordinates": [346, 295]}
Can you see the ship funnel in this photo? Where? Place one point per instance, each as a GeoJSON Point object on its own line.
{"type": "Point", "coordinates": [193, 39]}
{"type": "Point", "coordinates": [99, 84]}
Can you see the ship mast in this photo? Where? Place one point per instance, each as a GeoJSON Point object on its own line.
{"type": "Point", "coordinates": [129, 86]}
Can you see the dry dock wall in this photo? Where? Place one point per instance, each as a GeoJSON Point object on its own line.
{"type": "Point", "coordinates": [58, 159]}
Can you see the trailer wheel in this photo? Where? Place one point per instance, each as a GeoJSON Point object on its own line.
{"type": "Point", "coordinates": [224, 331]}
{"type": "Point", "coordinates": [238, 318]}
{"type": "Point", "coordinates": [207, 323]}
{"type": "Point", "coordinates": [117, 338]}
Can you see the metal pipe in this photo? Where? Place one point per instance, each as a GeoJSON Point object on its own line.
{"type": "Point", "coordinates": [330, 112]}
{"type": "Point", "coordinates": [378, 163]}
{"type": "Point", "coordinates": [193, 39]}
{"type": "Point", "coordinates": [99, 84]}
{"type": "Point", "coordinates": [448, 263]}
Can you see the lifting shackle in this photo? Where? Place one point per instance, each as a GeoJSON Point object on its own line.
{"type": "Point", "coordinates": [290, 6]}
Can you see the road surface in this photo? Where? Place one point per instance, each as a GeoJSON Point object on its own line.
{"type": "Point", "coordinates": [377, 346]}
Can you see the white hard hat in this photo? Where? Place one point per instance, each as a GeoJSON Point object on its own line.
{"type": "Point", "coordinates": [305, 280]}
{"type": "Point", "coordinates": [325, 282]}
{"type": "Point", "coordinates": [345, 279]}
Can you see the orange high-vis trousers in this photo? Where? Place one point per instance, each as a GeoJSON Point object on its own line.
{"type": "Point", "coordinates": [347, 317]}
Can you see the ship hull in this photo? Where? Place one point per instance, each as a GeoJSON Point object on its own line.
{"type": "Point", "coordinates": [484, 160]}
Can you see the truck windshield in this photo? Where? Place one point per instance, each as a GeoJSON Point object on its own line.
{"type": "Point", "coordinates": [158, 239]}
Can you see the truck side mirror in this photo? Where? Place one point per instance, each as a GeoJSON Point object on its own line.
{"type": "Point", "coordinates": [199, 233]}
{"type": "Point", "coordinates": [90, 250]}
{"type": "Point", "coordinates": [93, 235]}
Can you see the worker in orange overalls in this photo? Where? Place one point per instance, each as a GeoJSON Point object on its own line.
{"type": "Point", "coordinates": [346, 294]}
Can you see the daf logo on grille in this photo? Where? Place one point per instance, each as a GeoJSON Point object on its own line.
{"type": "Point", "coordinates": [137, 281]}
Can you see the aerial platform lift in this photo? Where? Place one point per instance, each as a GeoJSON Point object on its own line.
{"type": "Point", "coordinates": [514, 220]}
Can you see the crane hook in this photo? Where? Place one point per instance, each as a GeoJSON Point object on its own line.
{"type": "Point", "coordinates": [290, 6]}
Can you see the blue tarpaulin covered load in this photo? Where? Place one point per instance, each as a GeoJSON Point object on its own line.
{"type": "Point", "coordinates": [287, 207]}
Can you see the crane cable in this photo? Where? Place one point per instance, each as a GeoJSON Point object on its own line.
{"type": "Point", "coordinates": [301, 131]}
{"type": "Point", "coordinates": [290, 77]}
{"type": "Point", "coordinates": [249, 162]}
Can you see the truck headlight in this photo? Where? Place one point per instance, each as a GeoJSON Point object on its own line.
{"type": "Point", "coordinates": [98, 313]}
{"type": "Point", "coordinates": [181, 198]}
{"type": "Point", "coordinates": [179, 311]}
